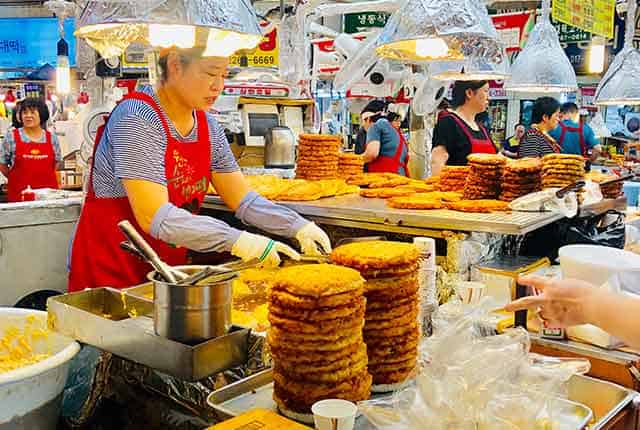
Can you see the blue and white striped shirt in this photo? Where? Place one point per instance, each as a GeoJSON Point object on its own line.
{"type": "Point", "coordinates": [133, 147]}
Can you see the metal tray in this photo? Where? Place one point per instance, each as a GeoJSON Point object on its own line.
{"type": "Point", "coordinates": [123, 325]}
{"type": "Point", "coordinates": [604, 399]}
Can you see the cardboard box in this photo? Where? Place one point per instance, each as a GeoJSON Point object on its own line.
{"type": "Point", "coordinates": [259, 419]}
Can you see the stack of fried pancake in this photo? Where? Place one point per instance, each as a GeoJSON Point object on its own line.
{"type": "Point", "coordinates": [521, 177]}
{"type": "Point", "coordinates": [485, 176]}
{"type": "Point", "coordinates": [560, 170]}
{"type": "Point", "coordinates": [350, 165]}
{"type": "Point", "coordinates": [318, 156]}
{"type": "Point", "coordinates": [316, 313]}
{"type": "Point", "coordinates": [453, 178]}
{"type": "Point", "coordinates": [609, 191]}
{"type": "Point", "coordinates": [391, 329]}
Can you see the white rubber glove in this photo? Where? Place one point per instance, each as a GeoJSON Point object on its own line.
{"type": "Point", "coordinates": [253, 246]}
{"type": "Point", "coordinates": [310, 236]}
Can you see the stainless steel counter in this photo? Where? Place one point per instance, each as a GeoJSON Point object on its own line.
{"type": "Point", "coordinates": [356, 211]}
{"type": "Point", "coordinates": [34, 239]}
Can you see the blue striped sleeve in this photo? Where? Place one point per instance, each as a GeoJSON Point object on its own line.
{"type": "Point", "coordinates": [8, 148]}
{"type": "Point", "coordinates": [56, 147]}
{"type": "Point", "coordinates": [134, 158]}
{"type": "Point", "coordinates": [222, 158]}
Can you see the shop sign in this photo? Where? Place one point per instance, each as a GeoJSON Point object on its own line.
{"type": "Point", "coordinates": [363, 21]}
{"type": "Point", "coordinates": [496, 90]}
{"type": "Point", "coordinates": [325, 46]}
{"type": "Point", "coordinates": [592, 16]}
{"type": "Point", "coordinates": [513, 28]}
{"type": "Point", "coordinates": [570, 34]}
{"type": "Point", "coordinates": [30, 43]}
{"type": "Point", "coordinates": [265, 55]}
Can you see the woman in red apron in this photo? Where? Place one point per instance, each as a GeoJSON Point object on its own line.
{"type": "Point", "coordinates": [386, 150]}
{"type": "Point", "coordinates": [31, 153]}
{"type": "Point", "coordinates": [457, 134]}
{"type": "Point", "coordinates": [162, 204]}
{"type": "Point", "coordinates": [545, 117]}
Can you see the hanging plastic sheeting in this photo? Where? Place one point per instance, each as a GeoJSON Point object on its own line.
{"type": "Point", "coordinates": [111, 26]}
{"type": "Point", "coordinates": [356, 67]}
{"type": "Point", "coordinates": [621, 83]}
{"type": "Point", "coordinates": [599, 127]}
{"type": "Point", "coordinates": [428, 30]}
{"type": "Point", "coordinates": [542, 66]}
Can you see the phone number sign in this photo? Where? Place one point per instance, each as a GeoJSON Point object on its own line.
{"type": "Point", "coordinates": [265, 55]}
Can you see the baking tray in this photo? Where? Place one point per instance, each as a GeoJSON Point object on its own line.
{"type": "Point", "coordinates": [123, 325]}
{"type": "Point", "coordinates": [596, 403]}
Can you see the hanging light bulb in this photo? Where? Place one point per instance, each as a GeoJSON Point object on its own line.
{"type": "Point", "coordinates": [434, 47]}
{"type": "Point", "coordinates": [63, 73]}
{"type": "Point", "coordinates": [542, 66]}
{"type": "Point", "coordinates": [110, 26]}
{"type": "Point", "coordinates": [621, 85]}
{"type": "Point", "coordinates": [165, 36]}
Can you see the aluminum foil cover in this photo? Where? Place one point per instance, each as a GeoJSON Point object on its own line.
{"type": "Point", "coordinates": [542, 66]}
{"type": "Point", "coordinates": [105, 34]}
{"type": "Point", "coordinates": [464, 24]}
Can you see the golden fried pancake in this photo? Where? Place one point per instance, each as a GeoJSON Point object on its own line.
{"type": "Point", "coordinates": [311, 390]}
{"type": "Point", "coordinates": [376, 284]}
{"type": "Point", "coordinates": [314, 359]}
{"type": "Point", "coordinates": [318, 327]}
{"type": "Point", "coordinates": [397, 358]}
{"type": "Point", "coordinates": [415, 202]}
{"type": "Point", "coordinates": [399, 321]}
{"type": "Point", "coordinates": [317, 280]}
{"type": "Point", "coordinates": [375, 335]}
{"type": "Point", "coordinates": [392, 377]}
{"type": "Point", "coordinates": [385, 193]}
{"type": "Point", "coordinates": [347, 189]}
{"type": "Point", "coordinates": [301, 191]}
{"type": "Point", "coordinates": [491, 159]}
{"type": "Point", "coordinates": [285, 299]}
{"type": "Point", "coordinates": [555, 157]}
{"type": "Point", "coordinates": [389, 182]}
{"type": "Point", "coordinates": [480, 206]}
{"type": "Point", "coordinates": [303, 374]}
{"type": "Point", "coordinates": [291, 365]}
{"type": "Point", "coordinates": [391, 272]}
{"type": "Point", "coordinates": [321, 137]}
{"type": "Point", "coordinates": [376, 352]}
{"type": "Point", "coordinates": [320, 314]}
{"type": "Point", "coordinates": [312, 338]}
{"type": "Point", "coordinates": [277, 342]}
{"type": "Point", "coordinates": [391, 367]}
{"type": "Point", "coordinates": [390, 313]}
{"type": "Point", "coordinates": [376, 254]}
{"type": "Point", "coordinates": [393, 294]}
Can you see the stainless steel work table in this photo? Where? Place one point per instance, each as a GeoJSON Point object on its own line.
{"type": "Point", "coordinates": [373, 214]}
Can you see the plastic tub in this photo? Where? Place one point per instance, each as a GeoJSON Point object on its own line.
{"type": "Point", "coordinates": [595, 263]}
{"type": "Point", "coordinates": [30, 396]}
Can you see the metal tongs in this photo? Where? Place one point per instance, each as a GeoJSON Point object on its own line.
{"type": "Point", "coordinates": [615, 181]}
{"type": "Point", "coordinates": [575, 187]}
{"type": "Point", "coordinates": [326, 258]}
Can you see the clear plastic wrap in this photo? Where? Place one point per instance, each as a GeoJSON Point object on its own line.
{"type": "Point", "coordinates": [542, 66]}
{"type": "Point", "coordinates": [469, 381]}
{"type": "Point", "coordinates": [546, 200]}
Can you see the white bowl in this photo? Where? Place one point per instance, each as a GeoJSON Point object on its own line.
{"type": "Point", "coordinates": [595, 264]}
{"type": "Point", "coordinates": [37, 386]}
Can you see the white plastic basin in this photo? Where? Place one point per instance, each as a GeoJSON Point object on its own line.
{"type": "Point", "coordinates": [30, 396]}
{"type": "Point", "coordinates": [595, 264]}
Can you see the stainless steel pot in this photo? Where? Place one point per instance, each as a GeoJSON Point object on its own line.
{"type": "Point", "coordinates": [280, 148]}
{"type": "Point", "coordinates": [191, 314]}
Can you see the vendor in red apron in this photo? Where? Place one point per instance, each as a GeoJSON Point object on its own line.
{"type": "Point", "coordinates": [457, 134]}
{"type": "Point", "coordinates": [574, 136]}
{"type": "Point", "coordinates": [30, 154]}
{"type": "Point", "coordinates": [537, 142]}
{"type": "Point", "coordinates": [386, 149]}
{"type": "Point", "coordinates": [153, 163]}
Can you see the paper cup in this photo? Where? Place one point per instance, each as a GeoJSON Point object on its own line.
{"type": "Point", "coordinates": [470, 292]}
{"type": "Point", "coordinates": [334, 414]}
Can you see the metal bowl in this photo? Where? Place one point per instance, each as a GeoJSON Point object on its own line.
{"type": "Point", "coordinates": [191, 314]}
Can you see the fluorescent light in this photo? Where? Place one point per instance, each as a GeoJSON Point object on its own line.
{"type": "Point", "coordinates": [63, 74]}
{"type": "Point", "coordinates": [222, 43]}
{"type": "Point", "coordinates": [164, 36]}
{"type": "Point", "coordinates": [596, 57]}
{"type": "Point", "coordinates": [432, 48]}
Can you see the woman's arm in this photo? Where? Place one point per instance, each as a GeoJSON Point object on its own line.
{"type": "Point", "coordinates": [569, 302]}
{"type": "Point", "coordinates": [372, 151]}
{"type": "Point", "coordinates": [439, 157]}
{"type": "Point", "coordinates": [6, 153]}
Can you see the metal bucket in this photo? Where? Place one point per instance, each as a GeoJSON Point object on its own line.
{"type": "Point", "coordinates": [191, 314]}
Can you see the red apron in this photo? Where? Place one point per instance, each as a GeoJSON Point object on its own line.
{"type": "Point", "coordinates": [35, 166]}
{"type": "Point", "coordinates": [565, 128]}
{"type": "Point", "coordinates": [384, 164]}
{"type": "Point", "coordinates": [97, 259]}
{"type": "Point", "coordinates": [478, 146]}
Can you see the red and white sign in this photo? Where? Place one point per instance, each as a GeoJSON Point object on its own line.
{"type": "Point", "coordinates": [588, 95]}
{"type": "Point", "coordinates": [496, 90]}
{"type": "Point", "coordinates": [322, 47]}
{"type": "Point", "coordinates": [255, 89]}
{"type": "Point", "coordinates": [512, 28]}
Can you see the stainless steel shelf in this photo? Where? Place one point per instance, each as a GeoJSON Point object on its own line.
{"type": "Point", "coordinates": [355, 209]}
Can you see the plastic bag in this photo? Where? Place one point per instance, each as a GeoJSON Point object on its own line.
{"type": "Point", "coordinates": [607, 229]}
{"type": "Point", "coordinates": [470, 381]}
{"type": "Point", "coordinates": [547, 201]}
